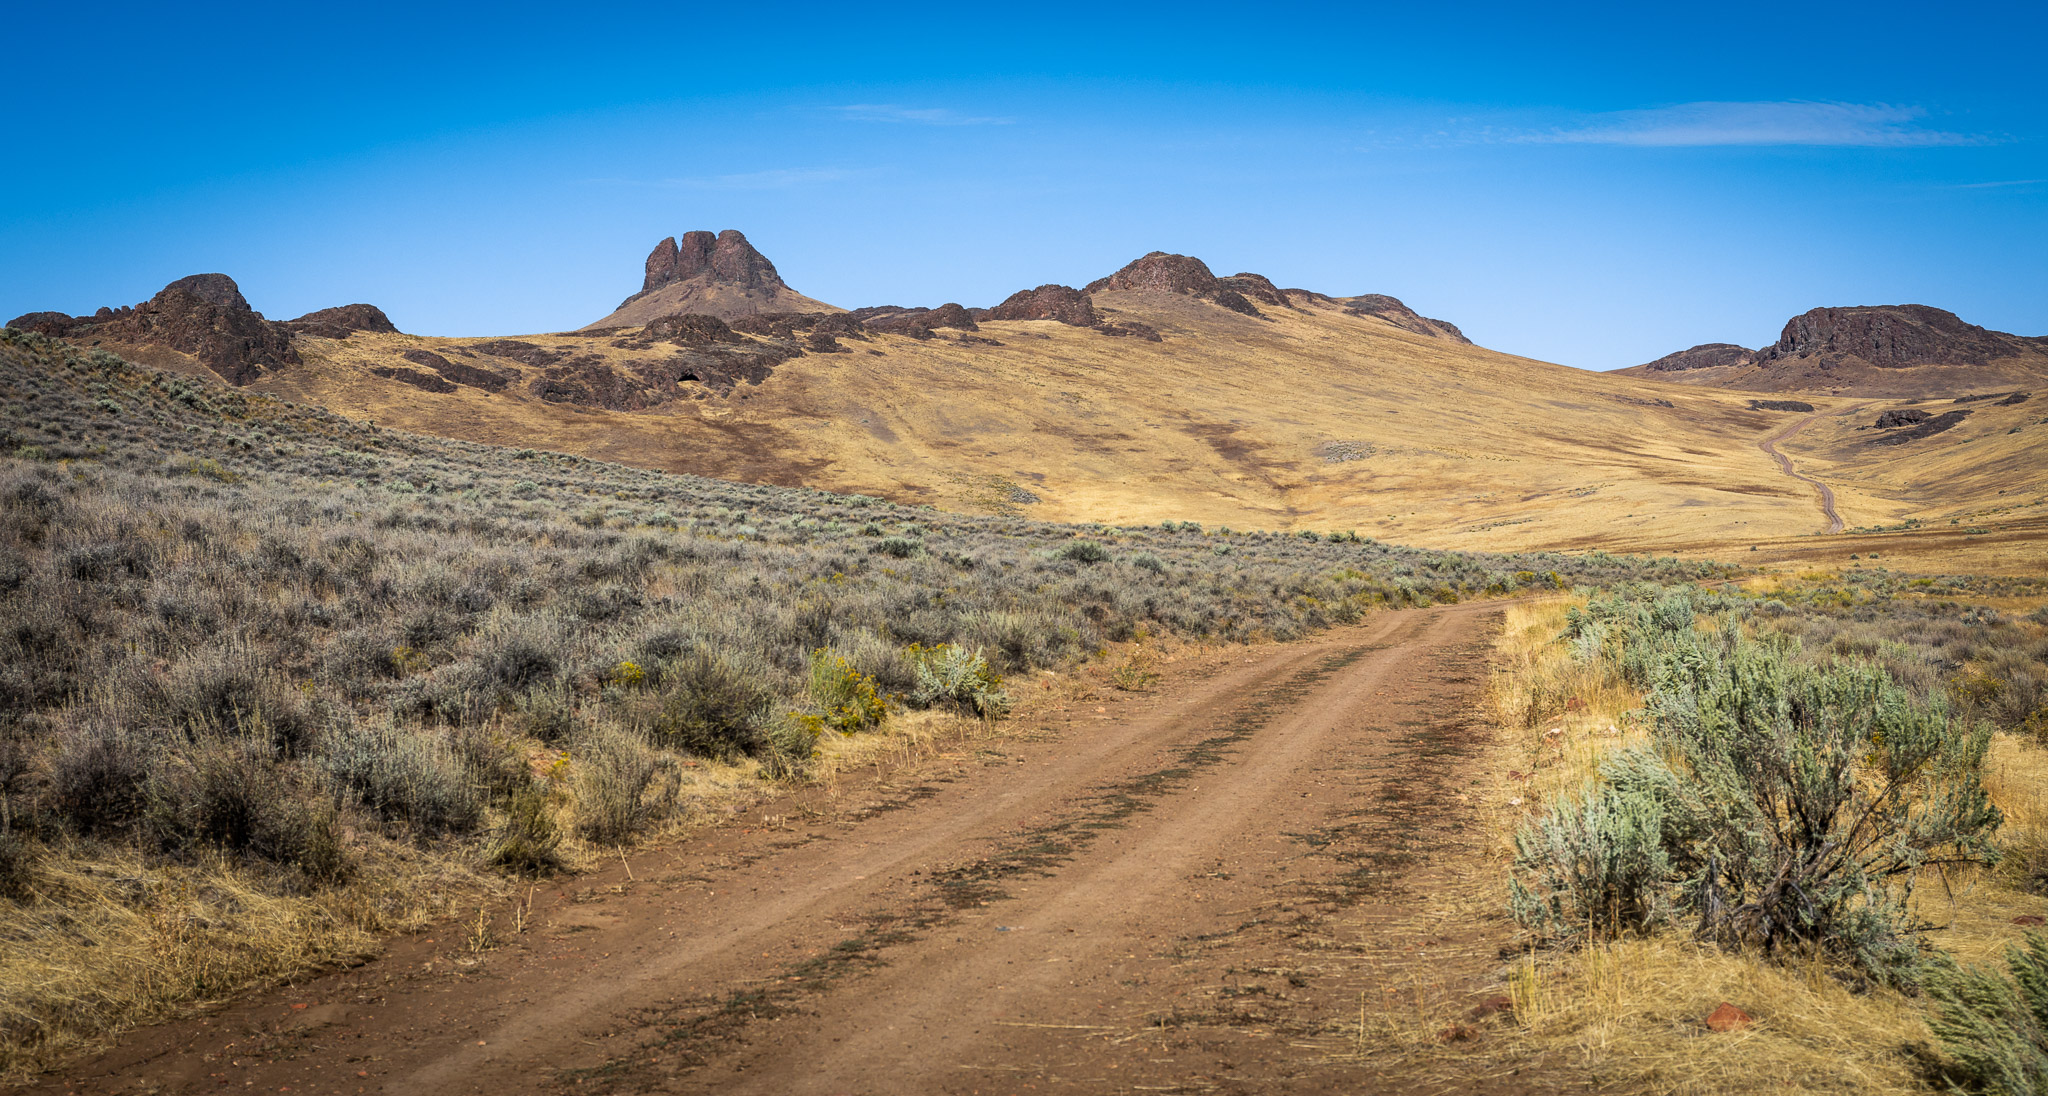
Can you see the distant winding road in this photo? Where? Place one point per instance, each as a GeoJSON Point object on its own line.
{"type": "Point", "coordinates": [1827, 494]}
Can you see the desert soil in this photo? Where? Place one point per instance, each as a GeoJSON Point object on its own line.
{"type": "Point", "coordinates": [1233, 882]}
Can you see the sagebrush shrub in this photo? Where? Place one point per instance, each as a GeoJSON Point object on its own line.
{"type": "Point", "coordinates": [403, 775]}
{"type": "Point", "coordinates": [1995, 1027]}
{"type": "Point", "coordinates": [528, 842]}
{"type": "Point", "coordinates": [708, 703]}
{"type": "Point", "coordinates": [949, 675]}
{"type": "Point", "coordinates": [612, 777]}
{"type": "Point", "coordinates": [99, 779]}
{"type": "Point", "coordinates": [1796, 803]}
{"type": "Point", "coordinates": [236, 796]}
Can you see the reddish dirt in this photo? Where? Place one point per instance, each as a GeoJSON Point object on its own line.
{"type": "Point", "coordinates": [1199, 889]}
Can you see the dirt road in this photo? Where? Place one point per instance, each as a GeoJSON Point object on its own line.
{"type": "Point", "coordinates": [1827, 494]}
{"type": "Point", "coordinates": [1205, 888]}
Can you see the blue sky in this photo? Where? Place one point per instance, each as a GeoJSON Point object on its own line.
{"type": "Point", "coordinates": [1596, 187]}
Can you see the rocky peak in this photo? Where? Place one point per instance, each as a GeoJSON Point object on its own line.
{"type": "Point", "coordinates": [1703, 356]}
{"type": "Point", "coordinates": [203, 316]}
{"type": "Point", "coordinates": [724, 259]}
{"type": "Point", "coordinates": [1891, 336]}
{"type": "Point", "coordinates": [1162, 271]}
{"type": "Point", "coordinates": [342, 321]}
{"type": "Point", "coordinates": [217, 289]}
{"type": "Point", "coordinates": [1063, 303]}
{"type": "Point", "coordinates": [1168, 273]}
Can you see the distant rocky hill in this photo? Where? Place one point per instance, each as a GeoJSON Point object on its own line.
{"type": "Point", "coordinates": [1871, 350]}
{"type": "Point", "coordinates": [203, 320]}
{"type": "Point", "coordinates": [709, 275]}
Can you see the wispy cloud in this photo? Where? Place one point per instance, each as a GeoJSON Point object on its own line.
{"type": "Point", "coordinates": [922, 116]}
{"type": "Point", "coordinates": [772, 179]}
{"type": "Point", "coordinates": [2001, 182]}
{"type": "Point", "coordinates": [1695, 125]}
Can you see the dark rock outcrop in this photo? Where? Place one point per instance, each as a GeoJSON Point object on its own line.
{"type": "Point", "coordinates": [457, 372]}
{"type": "Point", "coordinates": [1923, 427]}
{"type": "Point", "coordinates": [525, 353]}
{"type": "Point", "coordinates": [693, 329]}
{"type": "Point", "coordinates": [1781, 405]}
{"type": "Point", "coordinates": [1379, 306]}
{"type": "Point", "coordinates": [57, 324]}
{"type": "Point", "coordinates": [1062, 303]}
{"type": "Point", "coordinates": [1703, 356]}
{"type": "Point", "coordinates": [719, 275]}
{"type": "Point", "coordinates": [1163, 272]}
{"type": "Point", "coordinates": [1905, 416]}
{"type": "Point", "coordinates": [785, 325]}
{"type": "Point", "coordinates": [204, 316]}
{"type": "Point", "coordinates": [341, 322]}
{"type": "Point", "coordinates": [918, 323]}
{"type": "Point", "coordinates": [1890, 336]}
{"type": "Point", "coordinates": [424, 381]}
{"type": "Point", "coordinates": [727, 259]}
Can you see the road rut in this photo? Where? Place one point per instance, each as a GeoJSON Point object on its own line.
{"type": "Point", "coordinates": [1193, 890]}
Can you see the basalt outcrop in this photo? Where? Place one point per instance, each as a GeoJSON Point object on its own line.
{"type": "Point", "coordinates": [719, 275]}
{"type": "Point", "coordinates": [1907, 350]}
{"type": "Point", "coordinates": [203, 317]}
{"type": "Point", "coordinates": [1703, 356]}
{"type": "Point", "coordinates": [1163, 272]}
{"type": "Point", "coordinates": [341, 322]}
{"type": "Point", "coordinates": [1379, 306]}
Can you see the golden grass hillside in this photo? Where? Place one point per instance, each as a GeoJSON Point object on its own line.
{"type": "Point", "coordinates": [1310, 418]}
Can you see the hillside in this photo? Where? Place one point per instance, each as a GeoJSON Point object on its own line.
{"type": "Point", "coordinates": [1907, 350]}
{"type": "Point", "coordinates": [1159, 392]}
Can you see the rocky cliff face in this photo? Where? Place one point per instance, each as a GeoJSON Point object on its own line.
{"type": "Point", "coordinates": [1382, 307]}
{"type": "Point", "coordinates": [1703, 356]}
{"type": "Point", "coordinates": [341, 322]}
{"type": "Point", "coordinates": [1867, 350]}
{"type": "Point", "coordinates": [726, 258]}
{"type": "Point", "coordinates": [1891, 337]}
{"type": "Point", "coordinates": [203, 315]}
{"type": "Point", "coordinates": [1168, 273]}
{"type": "Point", "coordinates": [714, 275]}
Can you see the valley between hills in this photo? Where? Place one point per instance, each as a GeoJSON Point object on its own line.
{"type": "Point", "coordinates": [1166, 393]}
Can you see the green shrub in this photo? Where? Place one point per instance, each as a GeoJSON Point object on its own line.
{"type": "Point", "coordinates": [1995, 1028]}
{"type": "Point", "coordinates": [1795, 803]}
{"type": "Point", "coordinates": [1595, 865]}
{"type": "Point", "coordinates": [899, 547]}
{"type": "Point", "coordinates": [1083, 551]}
{"type": "Point", "coordinates": [846, 698]}
{"type": "Point", "coordinates": [948, 675]}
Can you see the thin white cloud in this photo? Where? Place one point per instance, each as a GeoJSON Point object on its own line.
{"type": "Point", "coordinates": [1699, 125]}
{"type": "Point", "coordinates": [2001, 182]}
{"type": "Point", "coordinates": [923, 116]}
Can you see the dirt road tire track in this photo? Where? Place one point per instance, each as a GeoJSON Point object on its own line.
{"type": "Point", "coordinates": [1174, 893]}
{"type": "Point", "coordinates": [1827, 494]}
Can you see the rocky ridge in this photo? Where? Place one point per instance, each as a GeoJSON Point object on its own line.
{"type": "Point", "coordinates": [203, 316]}
{"type": "Point", "coordinates": [1900, 350]}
